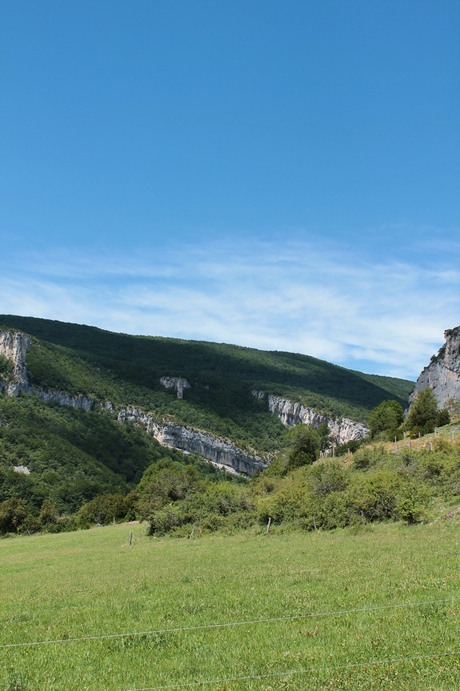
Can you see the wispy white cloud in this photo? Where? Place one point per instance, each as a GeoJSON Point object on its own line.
{"type": "Point", "coordinates": [383, 317]}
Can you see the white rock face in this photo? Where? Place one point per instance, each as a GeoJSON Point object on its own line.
{"type": "Point", "coordinates": [13, 346]}
{"type": "Point", "coordinates": [219, 451]}
{"type": "Point", "coordinates": [63, 398]}
{"type": "Point", "coordinates": [258, 394]}
{"type": "Point", "coordinates": [21, 469]}
{"type": "Point", "coordinates": [292, 414]}
{"type": "Point", "coordinates": [443, 373]}
{"type": "Point", "coordinates": [177, 383]}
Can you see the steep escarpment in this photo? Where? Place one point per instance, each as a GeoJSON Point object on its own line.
{"type": "Point", "coordinates": [221, 452]}
{"type": "Point", "coordinates": [342, 430]}
{"type": "Point", "coordinates": [13, 347]}
{"type": "Point", "coordinates": [443, 373]}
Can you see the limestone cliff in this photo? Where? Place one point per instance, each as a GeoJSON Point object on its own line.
{"type": "Point", "coordinates": [175, 383]}
{"type": "Point", "coordinates": [291, 414]}
{"type": "Point", "coordinates": [219, 451]}
{"type": "Point", "coordinates": [13, 346]}
{"type": "Point", "coordinates": [443, 373]}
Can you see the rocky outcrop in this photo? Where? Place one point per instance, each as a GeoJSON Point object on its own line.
{"type": "Point", "coordinates": [292, 414]}
{"type": "Point", "coordinates": [63, 398]}
{"type": "Point", "coordinates": [443, 373]}
{"type": "Point", "coordinates": [219, 451]}
{"type": "Point", "coordinates": [258, 394]}
{"type": "Point", "coordinates": [21, 469]}
{"type": "Point", "coordinates": [13, 346]}
{"type": "Point", "coordinates": [175, 383]}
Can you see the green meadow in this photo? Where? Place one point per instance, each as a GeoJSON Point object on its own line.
{"type": "Point", "coordinates": [373, 607]}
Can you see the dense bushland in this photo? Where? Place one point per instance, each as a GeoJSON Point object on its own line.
{"type": "Point", "coordinates": [178, 497]}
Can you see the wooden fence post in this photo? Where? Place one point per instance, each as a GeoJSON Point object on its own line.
{"type": "Point", "coordinates": [269, 523]}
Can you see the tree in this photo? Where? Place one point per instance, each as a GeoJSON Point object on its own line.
{"type": "Point", "coordinates": [47, 515]}
{"type": "Point", "coordinates": [442, 417]}
{"type": "Point", "coordinates": [385, 418]}
{"type": "Point", "coordinates": [306, 444]}
{"type": "Point", "coordinates": [423, 412]}
{"type": "Point", "coordinates": [13, 514]}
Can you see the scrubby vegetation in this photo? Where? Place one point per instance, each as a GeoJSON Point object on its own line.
{"type": "Point", "coordinates": [87, 469]}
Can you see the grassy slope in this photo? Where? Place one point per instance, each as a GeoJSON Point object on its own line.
{"type": "Point", "coordinates": [92, 583]}
{"type": "Point", "coordinates": [126, 369]}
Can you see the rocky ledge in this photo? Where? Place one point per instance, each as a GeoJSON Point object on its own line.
{"type": "Point", "coordinates": [175, 383]}
{"type": "Point", "coordinates": [443, 373]}
{"type": "Point", "coordinates": [219, 451]}
{"type": "Point", "coordinates": [291, 414]}
{"type": "Point", "coordinates": [13, 346]}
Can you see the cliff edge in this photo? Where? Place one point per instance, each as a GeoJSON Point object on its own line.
{"type": "Point", "coordinates": [443, 373]}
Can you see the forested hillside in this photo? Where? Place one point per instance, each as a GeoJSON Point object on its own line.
{"type": "Point", "coordinates": [127, 369]}
{"type": "Point", "coordinates": [75, 455]}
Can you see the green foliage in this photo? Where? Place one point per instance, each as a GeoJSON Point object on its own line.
{"type": "Point", "coordinates": [73, 456]}
{"type": "Point", "coordinates": [423, 413]}
{"type": "Point", "coordinates": [442, 417]}
{"type": "Point", "coordinates": [14, 516]}
{"type": "Point", "coordinates": [126, 370]}
{"type": "Point", "coordinates": [6, 369]}
{"type": "Point", "coordinates": [306, 444]}
{"type": "Point", "coordinates": [386, 418]}
{"type": "Point", "coordinates": [377, 486]}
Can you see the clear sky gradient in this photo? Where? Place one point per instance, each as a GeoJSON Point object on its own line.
{"type": "Point", "coordinates": [284, 175]}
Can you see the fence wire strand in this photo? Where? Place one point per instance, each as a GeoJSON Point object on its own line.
{"type": "Point", "coordinates": [293, 672]}
{"type": "Point", "coordinates": [232, 624]}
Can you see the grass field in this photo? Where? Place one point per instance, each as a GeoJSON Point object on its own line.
{"type": "Point", "coordinates": [374, 608]}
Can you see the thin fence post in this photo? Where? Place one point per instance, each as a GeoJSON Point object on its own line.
{"type": "Point", "coordinates": [362, 517]}
{"type": "Point", "coordinates": [193, 530]}
{"type": "Point", "coordinates": [130, 538]}
{"type": "Point", "coordinates": [269, 523]}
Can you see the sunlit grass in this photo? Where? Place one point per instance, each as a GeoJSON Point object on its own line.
{"type": "Point", "coordinates": [91, 583]}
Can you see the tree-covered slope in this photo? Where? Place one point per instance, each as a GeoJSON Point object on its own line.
{"type": "Point", "coordinates": [126, 370]}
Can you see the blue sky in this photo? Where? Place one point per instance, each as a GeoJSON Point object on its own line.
{"type": "Point", "coordinates": [283, 175]}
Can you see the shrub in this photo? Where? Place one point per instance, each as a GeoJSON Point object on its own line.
{"type": "Point", "coordinates": [385, 418]}
{"type": "Point", "coordinates": [422, 414]}
{"type": "Point", "coordinates": [442, 418]}
{"type": "Point", "coordinates": [15, 515]}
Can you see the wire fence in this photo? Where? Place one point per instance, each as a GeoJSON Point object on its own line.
{"type": "Point", "coordinates": [292, 672]}
{"type": "Point", "coordinates": [232, 624]}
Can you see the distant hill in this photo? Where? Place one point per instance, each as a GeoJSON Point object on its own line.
{"type": "Point", "coordinates": [74, 455]}
{"type": "Point", "coordinates": [127, 370]}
